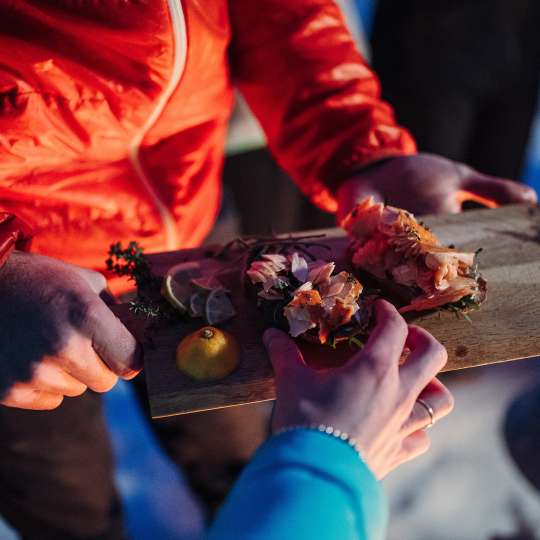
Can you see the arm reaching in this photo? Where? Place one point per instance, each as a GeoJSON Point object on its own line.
{"type": "Point", "coordinates": [319, 104]}
{"type": "Point", "coordinates": [313, 93]}
{"type": "Point", "coordinates": [429, 184]}
{"type": "Point", "coordinates": [307, 484]}
{"type": "Point", "coordinates": [304, 484]}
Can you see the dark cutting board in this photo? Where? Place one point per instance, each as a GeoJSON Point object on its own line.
{"type": "Point", "coordinates": [507, 326]}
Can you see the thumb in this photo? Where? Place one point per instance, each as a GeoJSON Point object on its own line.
{"type": "Point", "coordinates": [497, 189]}
{"type": "Point", "coordinates": [112, 341]}
{"type": "Point", "coordinates": [350, 193]}
{"type": "Point", "coordinates": [283, 352]}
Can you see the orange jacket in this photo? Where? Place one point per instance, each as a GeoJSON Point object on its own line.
{"type": "Point", "coordinates": [14, 234]}
{"type": "Point", "coordinates": [113, 114]}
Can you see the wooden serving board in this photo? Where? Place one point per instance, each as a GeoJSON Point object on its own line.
{"type": "Point", "coordinates": [507, 327]}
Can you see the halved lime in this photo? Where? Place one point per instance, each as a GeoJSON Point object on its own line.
{"type": "Point", "coordinates": [207, 283]}
{"type": "Point", "coordinates": [218, 307]}
{"type": "Point", "coordinates": [197, 304]}
{"type": "Point", "coordinates": [176, 287]}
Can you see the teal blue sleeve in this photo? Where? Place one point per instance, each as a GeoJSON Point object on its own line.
{"type": "Point", "coordinates": [304, 485]}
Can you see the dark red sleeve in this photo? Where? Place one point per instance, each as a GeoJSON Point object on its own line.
{"type": "Point", "coordinates": [14, 234]}
{"type": "Point", "coordinates": [317, 100]}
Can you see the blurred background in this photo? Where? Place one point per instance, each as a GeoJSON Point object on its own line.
{"type": "Point", "coordinates": [463, 77]}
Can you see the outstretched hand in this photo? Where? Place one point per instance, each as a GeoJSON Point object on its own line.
{"type": "Point", "coordinates": [372, 397]}
{"type": "Point", "coordinates": [57, 335]}
{"type": "Point", "coordinates": [428, 184]}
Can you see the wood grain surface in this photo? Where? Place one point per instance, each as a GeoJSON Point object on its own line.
{"type": "Point", "coordinates": [506, 327]}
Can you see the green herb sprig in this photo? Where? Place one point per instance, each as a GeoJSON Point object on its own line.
{"type": "Point", "coordinates": [133, 263]}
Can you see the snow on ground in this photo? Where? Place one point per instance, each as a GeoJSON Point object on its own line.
{"type": "Point", "coordinates": [466, 487]}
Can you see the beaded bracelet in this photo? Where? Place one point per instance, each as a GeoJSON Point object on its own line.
{"type": "Point", "coordinates": [328, 430]}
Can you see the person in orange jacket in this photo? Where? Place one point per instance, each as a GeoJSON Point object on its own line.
{"type": "Point", "coordinates": [113, 117]}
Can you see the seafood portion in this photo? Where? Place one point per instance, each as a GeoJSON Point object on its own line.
{"type": "Point", "coordinates": [391, 245]}
{"type": "Point", "coordinates": [316, 303]}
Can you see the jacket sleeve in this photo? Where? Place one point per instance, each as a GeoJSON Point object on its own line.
{"type": "Point", "coordinates": [318, 102]}
{"type": "Point", "coordinates": [303, 484]}
{"type": "Point", "coordinates": [14, 234]}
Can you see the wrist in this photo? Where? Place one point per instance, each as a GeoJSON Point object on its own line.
{"type": "Point", "coordinates": [361, 181]}
{"type": "Point", "coordinates": [374, 165]}
{"type": "Point", "coordinates": [325, 429]}
{"type": "Point", "coordinates": [364, 171]}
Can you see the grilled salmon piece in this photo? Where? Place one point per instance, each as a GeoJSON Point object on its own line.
{"type": "Point", "coordinates": [315, 302]}
{"type": "Point", "coordinates": [390, 244]}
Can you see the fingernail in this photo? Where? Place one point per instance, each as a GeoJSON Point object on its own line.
{"type": "Point", "coordinates": [130, 374]}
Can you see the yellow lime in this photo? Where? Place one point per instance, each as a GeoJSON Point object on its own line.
{"type": "Point", "coordinates": [208, 354]}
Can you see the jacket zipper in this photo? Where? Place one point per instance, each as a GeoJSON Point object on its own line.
{"type": "Point", "coordinates": [178, 25]}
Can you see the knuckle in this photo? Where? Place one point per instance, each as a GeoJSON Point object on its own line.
{"type": "Point", "coordinates": [100, 280]}
{"type": "Point", "coordinates": [441, 353]}
{"type": "Point", "coordinates": [377, 365]}
{"type": "Point", "coordinates": [81, 312]}
{"type": "Point", "coordinates": [69, 358]}
{"type": "Point", "coordinates": [397, 324]}
{"type": "Point", "coordinates": [436, 353]}
{"type": "Point", "coordinates": [92, 277]}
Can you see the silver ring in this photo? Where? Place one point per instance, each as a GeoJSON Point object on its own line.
{"type": "Point", "coordinates": [429, 410]}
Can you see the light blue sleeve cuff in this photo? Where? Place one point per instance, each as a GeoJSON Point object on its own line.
{"type": "Point", "coordinates": [307, 480]}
